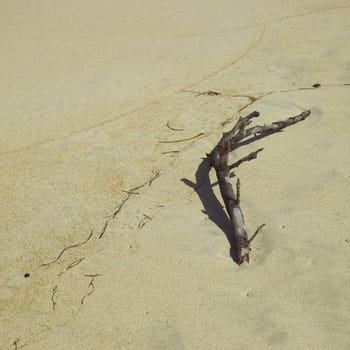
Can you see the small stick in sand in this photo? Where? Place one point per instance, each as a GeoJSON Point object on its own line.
{"type": "Point", "coordinates": [200, 135]}
{"type": "Point", "coordinates": [171, 128]}
{"type": "Point", "coordinates": [219, 160]}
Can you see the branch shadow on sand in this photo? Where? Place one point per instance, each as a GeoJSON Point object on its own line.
{"type": "Point", "coordinates": [212, 207]}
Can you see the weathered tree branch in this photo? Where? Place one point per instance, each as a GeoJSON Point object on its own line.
{"type": "Point", "coordinates": [247, 158]}
{"type": "Point", "coordinates": [219, 160]}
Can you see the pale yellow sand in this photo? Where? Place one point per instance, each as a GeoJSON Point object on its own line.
{"type": "Point", "coordinates": [87, 90]}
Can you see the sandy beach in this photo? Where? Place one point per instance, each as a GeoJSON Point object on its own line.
{"type": "Point", "coordinates": [113, 232]}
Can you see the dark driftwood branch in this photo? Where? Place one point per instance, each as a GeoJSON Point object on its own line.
{"type": "Point", "coordinates": [219, 160]}
{"type": "Point", "coordinates": [247, 158]}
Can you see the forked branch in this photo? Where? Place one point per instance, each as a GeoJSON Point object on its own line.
{"type": "Point", "coordinates": [219, 160]}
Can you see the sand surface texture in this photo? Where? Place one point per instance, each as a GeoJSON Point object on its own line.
{"type": "Point", "coordinates": [104, 242]}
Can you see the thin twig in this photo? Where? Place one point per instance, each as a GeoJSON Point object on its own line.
{"type": "Point", "coordinates": [156, 175]}
{"type": "Point", "coordinates": [247, 158]}
{"type": "Point", "coordinates": [208, 93]}
{"type": "Point", "coordinates": [142, 222]}
{"type": "Point", "coordinates": [200, 135]}
{"type": "Point", "coordinates": [15, 343]}
{"type": "Point", "coordinates": [66, 248]}
{"type": "Point", "coordinates": [171, 128]}
{"type": "Point", "coordinates": [130, 192]}
{"type": "Point", "coordinates": [53, 300]}
{"type": "Point", "coordinates": [255, 233]}
{"type": "Point", "coordinates": [74, 263]}
{"type": "Point", "coordinates": [71, 265]}
{"type": "Point", "coordinates": [103, 229]}
{"type": "Point", "coordinates": [120, 206]}
{"type": "Point", "coordinates": [173, 153]}
{"type": "Point", "coordinates": [251, 99]}
{"type": "Point", "coordinates": [91, 286]}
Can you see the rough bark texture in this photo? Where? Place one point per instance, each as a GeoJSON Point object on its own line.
{"type": "Point", "coordinates": [219, 160]}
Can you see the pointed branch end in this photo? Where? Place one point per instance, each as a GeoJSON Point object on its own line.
{"type": "Point", "coordinates": [243, 259]}
{"type": "Point", "coordinates": [306, 113]}
{"type": "Point", "coordinates": [254, 114]}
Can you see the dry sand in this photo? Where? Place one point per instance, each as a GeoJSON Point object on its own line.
{"type": "Point", "coordinates": [87, 90]}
